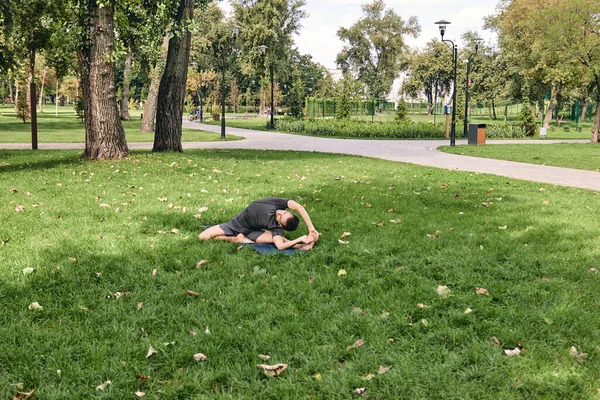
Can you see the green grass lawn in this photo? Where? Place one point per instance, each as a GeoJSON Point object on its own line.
{"type": "Point", "coordinates": [569, 155]}
{"type": "Point", "coordinates": [90, 230]}
{"type": "Point", "coordinates": [68, 128]}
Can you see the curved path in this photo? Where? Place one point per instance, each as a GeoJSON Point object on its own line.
{"type": "Point", "coordinates": [421, 152]}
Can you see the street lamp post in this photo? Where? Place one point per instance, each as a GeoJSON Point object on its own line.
{"type": "Point", "coordinates": [476, 40]}
{"type": "Point", "coordinates": [234, 30]}
{"type": "Point", "coordinates": [263, 50]}
{"type": "Point", "coordinates": [442, 24]}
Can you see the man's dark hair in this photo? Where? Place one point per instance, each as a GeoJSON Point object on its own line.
{"type": "Point", "coordinates": [292, 223]}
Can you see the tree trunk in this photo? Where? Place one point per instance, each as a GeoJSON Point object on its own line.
{"type": "Point", "coordinates": [551, 106]}
{"type": "Point", "coordinates": [32, 101]}
{"type": "Point", "coordinates": [104, 134]}
{"type": "Point", "coordinates": [43, 82]}
{"type": "Point", "coordinates": [586, 105]}
{"type": "Point", "coordinates": [596, 126]}
{"type": "Point", "coordinates": [149, 116]}
{"type": "Point", "coordinates": [16, 93]}
{"type": "Point", "coordinates": [171, 92]}
{"type": "Point", "coordinates": [126, 81]}
{"type": "Point", "coordinates": [11, 98]}
{"type": "Point", "coordinates": [494, 116]}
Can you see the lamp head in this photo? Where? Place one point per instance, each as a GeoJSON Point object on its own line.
{"type": "Point", "coordinates": [263, 49]}
{"type": "Point", "coordinates": [235, 29]}
{"type": "Point", "coordinates": [477, 40]}
{"type": "Point", "coordinates": [442, 25]}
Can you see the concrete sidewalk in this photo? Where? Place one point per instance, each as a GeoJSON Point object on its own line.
{"type": "Point", "coordinates": [421, 152]}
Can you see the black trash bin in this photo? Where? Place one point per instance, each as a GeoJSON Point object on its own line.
{"type": "Point", "coordinates": [477, 134]}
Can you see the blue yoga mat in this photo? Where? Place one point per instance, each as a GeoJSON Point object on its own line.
{"type": "Point", "coordinates": [264, 248]}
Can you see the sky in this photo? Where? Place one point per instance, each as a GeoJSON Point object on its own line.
{"type": "Point", "coordinates": [318, 34]}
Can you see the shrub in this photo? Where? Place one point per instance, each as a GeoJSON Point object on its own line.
{"type": "Point", "coordinates": [402, 111]}
{"type": "Point", "coordinates": [527, 122]}
{"type": "Point", "coordinates": [362, 129]}
{"type": "Point", "coordinates": [504, 132]}
{"type": "Point", "coordinates": [216, 116]}
{"type": "Point", "coordinates": [23, 111]}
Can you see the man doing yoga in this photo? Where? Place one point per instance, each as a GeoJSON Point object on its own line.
{"type": "Point", "coordinates": [263, 221]}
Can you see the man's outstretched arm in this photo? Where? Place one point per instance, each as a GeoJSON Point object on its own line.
{"type": "Point", "coordinates": [282, 243]}
{"type": "Point", "coordinates": [292, 205]}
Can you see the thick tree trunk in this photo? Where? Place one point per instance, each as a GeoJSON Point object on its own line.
{"type": "Point", "coordinates": [151, 101]}
{"type": "Point", "coordinates": [32, 101]}
{"type": "Point", "coordinates": [551, 106]}
{"type": "Point", "coordinates": [494, 116]}
{"type": "Point", "coordinates": [126, 81]}
{"type": "Point", "coordinates": [104, 134]}
{"type": "Point", "coordinates": [586, 105]}
{"type": "Point", "coordinates": [16, 93]}
{"type": "Point", "coordinates": [11, 98]}
{"type": "Point", "coordinates": [171, 92]}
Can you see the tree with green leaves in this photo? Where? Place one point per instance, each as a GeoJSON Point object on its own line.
{"type": "Point", "coordinates": [374, 47]}
{"type": "Point", "coordinates": [430, 72]}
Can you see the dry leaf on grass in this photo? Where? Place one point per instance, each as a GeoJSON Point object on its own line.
{"type": "Point", "coordinates": [369, 377]}
{"type": "Point", "coordinates": [191, 293]}
{"type": "Point", "coordinates": [573, 352]}
{"type": "Point", "coordinates": [483, 291]}
{"type": "Point", "coordinates": [342, 272]}
{"type": "Point", "coordinates": [28, 270]}
{"type": "Point", "coordinates": [503, 227]}
{"type": "Point", "coordinates": [203, 209]}
{"type": "Point", "coordinates": [35, 306]}
{"type": "Point", "coordinates": [495, 341]}
{"type": "Point", "coordinates": [201, 263]}
{"type": "Point", "coordinates": [443, 291]}
{"type": "Point", "coordinates": [23, 395]}
{"type": "Point", "coordinates": [514, 352]}
{"type": "Point", "coordinates": [592, 270]}
{"type": "Point", "coordinates": [342, 241]}
{"type": "Point", "coordinates": [382, 370]}
{"type": "Point", "coordinates": [272, 370]}
{"type": "Point", "coordinates": [151, 351]}
{"type": "Point", "coordinates": [361, 391]}
{"type": "Point", "coordinates": [200, 357]}
{"type": "Point", "coordinates": [264, 357]}
{"type": "Point", "coordinates": [72, 260]}
{"type": "Point", "coordinates": [139, 305]}
{"type": "Point", "coordinates": [425, 323]}
{"type": "Point", "coordinates": [422, 306]}
{"type": "Point", "coordinates": [468, 311]}
{"type": "Point", "coordinates": [103, 386]}
{"type": "Point", "coordinates": [118, 295]}
{"type": "Point", "coordinates": [142, 378]}
{"type": "Point", "coordinates": [154, 272]}
{"type": "Point", "coordinates": [345, 234]}
{"type": "Point", "coordinates": [139, 394]}
{"type": "Point", "coordinates": [356, 344]}
{"type": "Point", "coordinates": [385, 314]}
{"type": "Point", "coordinates": [318, 377]}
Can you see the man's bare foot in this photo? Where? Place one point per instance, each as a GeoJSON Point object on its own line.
{"type": "Point", "coordinates": [307, 246]}
{"type": "Point", "coordinates": [241, 238]}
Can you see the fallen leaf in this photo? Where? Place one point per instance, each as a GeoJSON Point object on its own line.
{"type": "Point", "coordinates": [573, 352]}
{"type": "Point", "coordinates": [391, 210]}
{"type": "Point", "coordinates": [342, 272]}
{"type": "Point", "coordinates": [200, 357]}
{"type": "Point", "coordinates": [503, 227]}
{"type": "Point", "coordinates": [104, 205]}
{"type": "Point", "coordinates": [200, 263]}
{"type": "Point", "coordinates": [369, 377]}
{"type": "Point", "coordinates": [206, 330]}
{"type": "Point", "coordinates": [264, 357]}
{"type": "Point", "coordinates": [422, 306]}
{"type": "Point", "coordinates": [191, 293]}
{"type": "Point", "coordinates": [154, 272]}
{"type": "Point", "coordinates": [23, 395]}
{"type": "Point", "coordinates": [483, 291]}
{"type": "Point", "coordinates": [345, 234]}
{"type": "Point", "coordinates": [395, 221]}
{"type": "Point", "coordinates": [514, 352]}
{"type": "Point", "coordinates": [546, 202]}
{"type": "Point", "coordinates": [84, 308]}
{"type": "Point", "coordinates": [139, 305]}
{"type": "Point", "coordinates": [468, 311]}
{"type": "Point", "coordinates": [72, 260]}
{"type": "Point", "coordinates": [18, 385]}
{"type": "Point", "coordinates": [139, 394]}
{"type": "Point", "coordinates": [103, 386]}
{"type": "Point", "coordinates": [318, 377]}
{"type": "Point", "coordinates": [151, 351]}
{"type": "Point", "coordinates": [142, 378]}
{"type": "Point", "coordinates": [385, 314]}
{"type": "Point", "coordinates": [272, 370]}
{"type": "Point", "coordinates": [175, 230]}
{"type": "Point", "coordinates": [356, 344]}
{"type": "Point", "coordinates": [443, 291]}
{"type": "Point", "coordinates": [19, 209]}
{"type": "Point", "coordinates": [382, 370]}
{"type": "Point", "coordinates": [118, 295]}
{"type": "Point", "coordinates": [162, 199]}
{"type": "Point", "coordinates": [35, 306]}
{"type": "Point", "coordinates": [361, 392]}
{"type": "Point", "coordinates": [342, 242]}
{"type": "Point", "coordinates": [495, 341]}
{"type": "Point", "coordinates": [592, 270]}
{"type": "Point", "coordinates": [28, 270]}
{"type": "Point", "coordinates": [425, 323]}
{"type": "Point", "coordinates": [203, 209]}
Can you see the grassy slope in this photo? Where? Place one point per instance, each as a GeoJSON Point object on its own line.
{"type": "Point", "coordinates": [68, 128]}
{"type": "Point", "coordinates": [569, 155]}
{"type": "Point", "coordinates": [295, 309]}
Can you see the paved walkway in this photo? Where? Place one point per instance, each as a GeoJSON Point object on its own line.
{"type": "Point", "coordinates": [421, 152]}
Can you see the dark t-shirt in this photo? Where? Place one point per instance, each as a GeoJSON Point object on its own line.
{"type": "Point", "coordinates": [261, 214]}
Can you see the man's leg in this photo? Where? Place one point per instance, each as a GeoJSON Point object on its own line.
{"type": "Point", "coordinates": [214, 232]}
